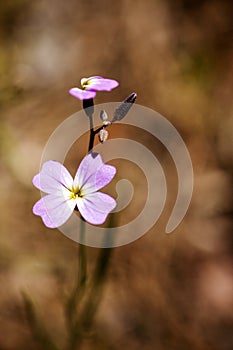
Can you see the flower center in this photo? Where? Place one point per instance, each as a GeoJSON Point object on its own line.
{"type": "Point", "coordinates": [85, 82]}
{"type": "Point", "coordinates": [76, 193]}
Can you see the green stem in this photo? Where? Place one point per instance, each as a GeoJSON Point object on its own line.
{"type": "Point", "coordinates": [78, 293]}
{"type": "Point", "coordinates": [96, 291]}
{"type": "Point", "coordinates": [82, 265]}
{"type": "Point", "coordinates": [82, 277]}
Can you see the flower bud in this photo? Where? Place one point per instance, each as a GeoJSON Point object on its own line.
{"type": "Point", "coordinates": [103, 135]}
{"type": "Point", "coordinates": [124, 108]}
{"type": "Point", "coordinates": [103, 116]}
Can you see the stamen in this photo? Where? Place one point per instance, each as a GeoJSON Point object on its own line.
{"type": "Point", "coordinates": [75, 193]}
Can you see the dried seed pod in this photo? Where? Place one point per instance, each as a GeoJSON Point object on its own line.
{"type": "Point", "coordinates": [103, 115]}
{"type": "Point", "coordinates": [124, 107]}
{"type": "Point", "coordinates": [103, 135]}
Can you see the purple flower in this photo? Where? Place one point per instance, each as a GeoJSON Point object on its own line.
{"type": "Point", "coordinates": [64, 193]}
{"type": "Point", "coordinates": [91, 85]}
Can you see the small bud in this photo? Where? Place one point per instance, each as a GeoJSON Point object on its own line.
{"type": "Point", "coordinates": [124, 108]}
{"type": "Point", "coordinates": [103, 115]}
{"type": "Point", "coordinates": [103, 135]}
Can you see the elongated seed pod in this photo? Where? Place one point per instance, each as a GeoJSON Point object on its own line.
{"type": "Point", "coordinates": [124, 108]}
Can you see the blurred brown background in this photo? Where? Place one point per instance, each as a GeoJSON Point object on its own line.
{"type": "Point", "coordinates": [163, 291]}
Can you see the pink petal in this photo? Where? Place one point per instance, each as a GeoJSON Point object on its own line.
{"type": "Point", "coordinates": [93, 174]}
{"type": "Point", "coordinates": [95, 207]}
{"type": "Point", "coordinates": [101, 178]}
{"type": "Point", "coordinates": [82, 94]}
{"type": "Point", "coordinates": [52, 177]}
{"type": "Point", "coordinates": [101, 84]}
{"type": "Point", "coordinates": [88, 166]}
{"type": "Point", "coordinates": [54, 209]}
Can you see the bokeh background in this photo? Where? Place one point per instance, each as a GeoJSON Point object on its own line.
{"type": "Point", "coordinates": [162, 291]}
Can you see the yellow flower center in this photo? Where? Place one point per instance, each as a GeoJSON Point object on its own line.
{"type": "Point", "coordinates": [85, 82]}
{"type": "Point", "coordinates": [75, 193]}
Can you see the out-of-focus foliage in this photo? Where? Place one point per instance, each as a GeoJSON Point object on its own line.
{"type": "Point", "coordinates": [162, 292]}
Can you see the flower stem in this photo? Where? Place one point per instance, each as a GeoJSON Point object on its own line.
{"type": "Point", "coordinates": [92, 134]}
{"type": "Point", "coordinates": [85, 320]}
{"type": "Point", "coordinates": [97, 288]}
{"type": "Point", "coordinates": [77, 294]}
{"type": "Point", "coordinates": [79, 290]}
{"type": "Point", "coordinates": [80, 321]}
{"type": "Point", "coordinates": [82, 277]}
